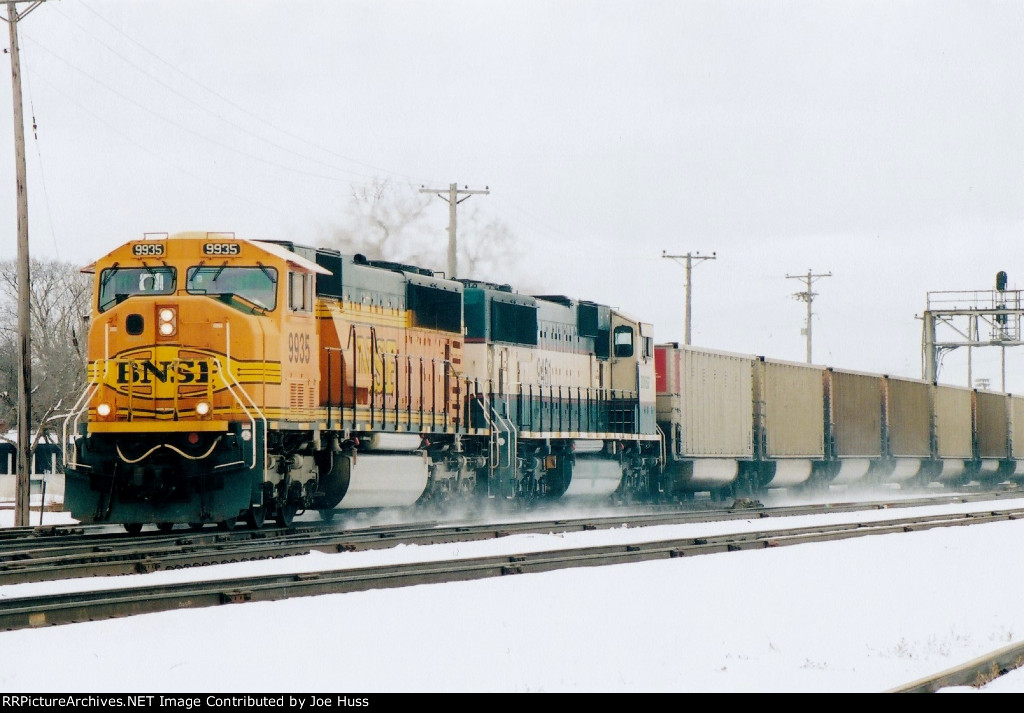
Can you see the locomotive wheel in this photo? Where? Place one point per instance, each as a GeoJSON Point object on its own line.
{"type": "Point", "coordinates": [286, 513]}
{"type": "Point", "coordinates": [165, 526]}
{"type": "Point", "coordinates": [287, 510]}
{"type": "Point", "coordinates": [133, 528]}
{"type": "Point", "coordinates": [255, 517]}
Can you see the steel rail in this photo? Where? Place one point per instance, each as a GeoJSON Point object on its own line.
{"type": "Point", "coordinates": [974, 673]}
{"type": "Point", "coordinates": [36, 611]}
{"type": "Point", "coordinates": [68, 558]}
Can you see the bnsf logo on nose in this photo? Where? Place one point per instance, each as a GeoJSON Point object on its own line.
{"type": "Point", "coordinates": [177, 372]}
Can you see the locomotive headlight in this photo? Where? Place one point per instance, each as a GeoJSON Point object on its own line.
{"type": "Point", "coordinates": [167, 322]}
{"type": "Point", "coordinates": [203, 408]}
{"type": "Point", "coordinates": [104, 410]}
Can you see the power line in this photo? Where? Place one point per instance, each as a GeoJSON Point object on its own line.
{"type": "Point", "coordinates": [163, 117]}
{"type": "Point", "coordinates": [252, 115]}
{"type": "Point", "coordinates": [155, 154]}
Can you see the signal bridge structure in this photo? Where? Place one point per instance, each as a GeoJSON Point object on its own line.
{"type": "Point", "coordinates": [973, 318]}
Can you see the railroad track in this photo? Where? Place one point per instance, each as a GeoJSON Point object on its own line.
{"type": "Point", "coordinates": [69, 552]}
{"type": "Point", "coordinates": [975, 673]}
{"type": "Point", "coordinates": [37, 611]}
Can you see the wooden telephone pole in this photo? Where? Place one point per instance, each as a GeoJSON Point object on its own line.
{"type": "Point", "coordinates": [808, 296]}
{"type": "Point", "coordinates": [453, 200]}
{"type": "Point", "coordinates": [687, 261]}
{"type": "Point", "coordinates": [22, 486]}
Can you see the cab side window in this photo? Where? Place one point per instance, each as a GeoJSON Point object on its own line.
{"type": "Point", "coordinates": [622, 341]}
{"type": "Point", "coordinates": [300, 292]}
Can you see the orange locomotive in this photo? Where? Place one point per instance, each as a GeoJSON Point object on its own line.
{"type": "Point", "coordinates": [238, 379]}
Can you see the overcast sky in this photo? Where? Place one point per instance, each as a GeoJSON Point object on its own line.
{"type": "Point", "coordinates": [880, 142]}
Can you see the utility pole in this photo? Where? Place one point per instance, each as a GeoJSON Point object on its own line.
{"type": "Point", "coordinates": [453, 200]}
{"type": "Point", "coordinates": [688, 264]}
{"type": "Point", "coordinates": [22, 486]}
{"type": "Point", "coordinates": [808, 297]}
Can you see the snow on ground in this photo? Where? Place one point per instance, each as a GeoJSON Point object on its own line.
{"type": "Point", "coordinates": [866, 614]}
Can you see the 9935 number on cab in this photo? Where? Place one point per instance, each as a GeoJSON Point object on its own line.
{"type": "Point", "coordinates": [148, 249]}
{"type": "Point", "coordinates": [222, 249]}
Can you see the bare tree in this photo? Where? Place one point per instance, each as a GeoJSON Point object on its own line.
{"type": "Point", "coordinates": [386, 222]}
{"type": "Point", "coordinates": [489, 250]}
{"type": "Point", "coordinates": [59, 300]}
{"type": "Point", "coordinates": [389, 221]}
{"type": "Point", "coordinates": [8, 378]}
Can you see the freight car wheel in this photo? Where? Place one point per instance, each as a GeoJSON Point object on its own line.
{"type": "Point", "coordinates": [228, 524]}
{"type": "Point", "coordinates": [196, 526]}
{"type": "Point", "coordinates": [133, 528]}
{"type": "Point", "coordinates": [165, 526]}
{"type": "Point", "coordinates": [327, 514]}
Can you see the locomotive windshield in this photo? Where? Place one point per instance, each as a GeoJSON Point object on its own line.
{"type": "Point", "coordinates": [235, 285]}
{"type": "Point", "coordinates": [119, 283]}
